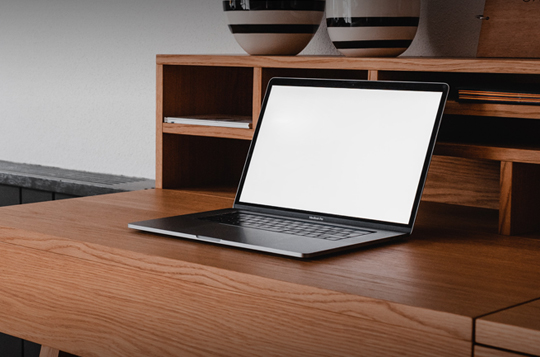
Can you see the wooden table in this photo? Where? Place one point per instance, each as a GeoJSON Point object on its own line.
{"type": "Point", "coordinates": [73, 277]}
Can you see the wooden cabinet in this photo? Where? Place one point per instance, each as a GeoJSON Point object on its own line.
{"type": "Point", "coordinates": [488, 155]}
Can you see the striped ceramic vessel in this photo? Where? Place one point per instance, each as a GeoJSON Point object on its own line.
{"type": "Point", "coordinates": [273, 27]}
{"type": "Point", "coordinates": [372, 27]}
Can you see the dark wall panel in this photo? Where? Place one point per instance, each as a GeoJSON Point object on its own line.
{"type": "Point", "coordinates": [9, 195]}
{"type": "Point", "coordinates": [32, 196]}
{"type": "Point", "coordinates": [63, 196]}
{"type": "Point", "coordinates": [10, 346]}
{"type": "Point", "coordinates": [31, 349]}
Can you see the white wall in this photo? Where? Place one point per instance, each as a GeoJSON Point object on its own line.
{"type": "Point", "coordinates": [77, 77]}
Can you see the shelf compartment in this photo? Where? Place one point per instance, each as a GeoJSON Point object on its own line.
{"type": "Point", "coordinates": [199, 161]}
{"type": "Point", "coordinates": [495, 81]}
{"type": "Point", "coordinates": [491, 138]}
{"type": "Point", "coordinates": [204, 90]}
{"type": "Point", "coordinates": [268, 73]}
{"type": "Point", "coordinates": [489, 177]}
{"type": "Point", "coordinates": [264, 74]}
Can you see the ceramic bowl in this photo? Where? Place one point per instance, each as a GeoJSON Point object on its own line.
{"type": "Point", "coordinates": [273, 27]}
{"type": "Point", "coordinates": [378, 28]}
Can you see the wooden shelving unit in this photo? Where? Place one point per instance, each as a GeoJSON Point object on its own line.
{"type": "Point", "coordinates": [488, 155]}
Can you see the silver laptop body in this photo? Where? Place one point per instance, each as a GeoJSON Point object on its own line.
{"type": "Point", "coordinates": [327, 156]}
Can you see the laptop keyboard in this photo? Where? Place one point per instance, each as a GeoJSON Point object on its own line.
{"type": "Point", "coordinates": [287, 226]}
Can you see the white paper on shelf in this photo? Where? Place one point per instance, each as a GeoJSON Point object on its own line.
{"type": "Point", "coordinates": [222, 122]}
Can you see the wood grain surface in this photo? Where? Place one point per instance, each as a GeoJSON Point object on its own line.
{"type": "Point", "coordinates": [159, 128]}
{"type": "Point", "coordinates": [463, 181]}
{"type": "Point", "coordinates": [212, 131]}
{"type": "Point", "coordinates": [485, 152]}
{"type": "Point", "coordinates": [48, 352]}
{"type": "Point", "coordinates": [516, 329]}
{"type": "Point", "coordinates": [510, 29]}
{"type": "Point", "coordinates": [425, 270]}
{"type": "Point", "coordinates": [136, 292]}
{"type": "Point", "coordinates": [98, 309]}
{"type": "Point", "coordinates": [482, 351]}
{"type": "Point", "coordinates": [493, 110]}
{"type": "Point", "coordinates": [464, 65]}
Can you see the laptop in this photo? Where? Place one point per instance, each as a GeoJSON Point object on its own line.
{"type": "Point", "coordinates": [333, 165]}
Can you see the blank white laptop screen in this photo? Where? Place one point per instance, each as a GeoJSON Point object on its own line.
{"type": "Point", "coordinates": [342, 151]}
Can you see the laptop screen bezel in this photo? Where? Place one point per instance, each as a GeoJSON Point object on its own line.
{"type": "Point", "coordinates": [443, 88]}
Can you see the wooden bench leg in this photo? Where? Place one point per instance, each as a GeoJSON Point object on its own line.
{"type": "Point", "coordinates": [48, 352]}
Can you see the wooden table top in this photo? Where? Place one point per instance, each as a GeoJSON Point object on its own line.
{"type": "Point", "coordinates": [420, 294]}
{"type": "Point", "coordinates": [453, 262]}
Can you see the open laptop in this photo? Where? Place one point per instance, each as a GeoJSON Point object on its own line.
{"type": "Point", "coordinates": [333, 164]}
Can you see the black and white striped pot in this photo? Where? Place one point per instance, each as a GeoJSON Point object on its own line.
{"type": "Point", "coordinates": [273, 27]}
{"type": "Point", "coordinates": [375, 28]}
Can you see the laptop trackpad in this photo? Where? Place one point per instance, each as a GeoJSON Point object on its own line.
{"type": "Point", "coordinates": [192, 227]}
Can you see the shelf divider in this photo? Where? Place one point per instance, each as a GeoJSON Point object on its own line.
{"type": "Point", "coordinates": [471, 151]}
{"type": "Point", "coordinates": [210, 131]}
{"type": "Point", "coordinates": [493, 110]}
